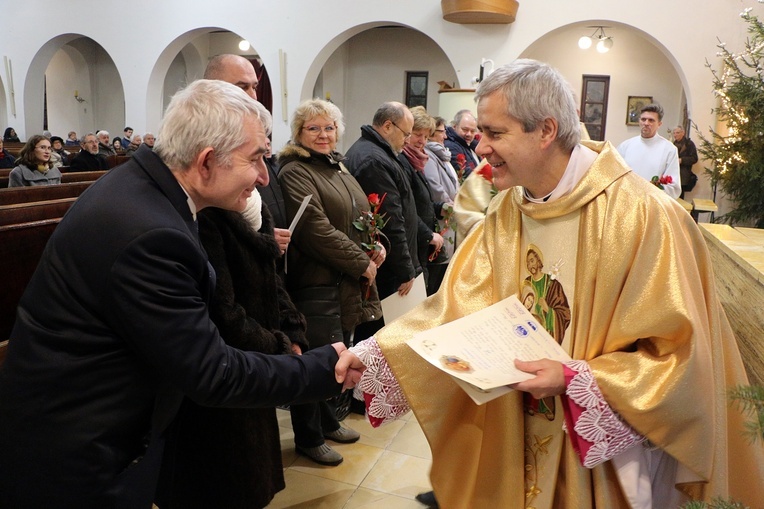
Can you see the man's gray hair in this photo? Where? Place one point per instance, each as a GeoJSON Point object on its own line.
{"type": "Point", "coordinates": [534, 92]}
{"type": "Point", "coordinates": [84, 136]}
{"type": "Point", "coordinates": [458, 117]}
{"type": "Point", "coordinates": [391, 111]}
{"type": "Point", "coordinates": [316, 108]}
{"type": "Point", "coordinates": [207, 113]}
{"type": "Point", "coordinates": [102, 132]}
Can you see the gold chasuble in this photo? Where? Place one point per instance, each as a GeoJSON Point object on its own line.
{"type": "Point", "coordinates": [623, 299]}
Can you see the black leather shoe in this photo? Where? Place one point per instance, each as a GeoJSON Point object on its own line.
{"type": "Point", "coordinates": [427, 498]}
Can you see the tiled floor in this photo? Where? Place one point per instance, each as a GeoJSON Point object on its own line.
{"type": "Point", "coordinates": [385, 469]}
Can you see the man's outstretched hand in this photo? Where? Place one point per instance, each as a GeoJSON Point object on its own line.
{"type": "Point", "coordinates": [348, 369]}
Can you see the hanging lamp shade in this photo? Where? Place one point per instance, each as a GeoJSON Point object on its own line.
{"type": "Point", "coordinates": [479, 11]}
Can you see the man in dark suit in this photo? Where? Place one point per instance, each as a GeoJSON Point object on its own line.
{"type": "Point", "coordinates": [113, 328]}
{"type": "Point", "coordinates": [88, 158]}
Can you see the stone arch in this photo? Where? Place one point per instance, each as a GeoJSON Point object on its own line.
{"type": "Point", "coordinates": [639, 61]}
{"type": "Point", "coordinates": [69, 63]}
{"type": "Point", "coordinates": [183, 61]}
{"type": "Point", "coordinates": [367, 64]}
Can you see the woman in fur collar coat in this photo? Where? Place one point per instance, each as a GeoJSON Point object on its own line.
{"type": "Point", "coordinates": [231, 458]}
{"type": "Point", "coordinates": [325, 251]}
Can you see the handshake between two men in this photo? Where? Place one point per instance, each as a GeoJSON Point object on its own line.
{"type": "Point", "coordinates": [349, 368]}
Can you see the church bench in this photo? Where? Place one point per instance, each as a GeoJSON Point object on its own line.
{"type": "Point", "coordinates": [34, 211]}
{"type": "Point", "coordinates": [700, 205]}
{"type": "Point", "coordinates": [13, 147]}
{"type": "Point", "coordinates": [21, 247]}
{"type": "Point", "coordinates": [82, 176]}
{"type": "Point", "coordinates": [66, 176]}
{"type": "Point", "coordinates": [9, 196]}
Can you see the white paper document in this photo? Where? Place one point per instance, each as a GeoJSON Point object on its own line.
{"type": "Point", "coordinates": [394, 305]}
{"type": "Point", "coordinates": [297, 216]}
{"type": "Point", "coordinates": [480, 348]}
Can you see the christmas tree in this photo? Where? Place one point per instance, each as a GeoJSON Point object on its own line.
{"type": "Point", "coordinates": [738, 169]}
{"type": "Point", "coordinates": [737, 158]}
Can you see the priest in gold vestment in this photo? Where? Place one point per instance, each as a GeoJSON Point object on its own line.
{"type": "Point", "coordinates": [641, 417]}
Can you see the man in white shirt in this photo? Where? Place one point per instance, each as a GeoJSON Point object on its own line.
{"type": "Point", "coordinates": [653, 157]}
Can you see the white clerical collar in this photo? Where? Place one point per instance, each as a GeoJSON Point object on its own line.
{"type": "Point", "coordinates": [191, 204]}
{"type": "Point", "coordinates": [580, 160]}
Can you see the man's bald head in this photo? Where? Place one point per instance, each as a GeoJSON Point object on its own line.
{"type": "Point", "coordinates": [233, 69]}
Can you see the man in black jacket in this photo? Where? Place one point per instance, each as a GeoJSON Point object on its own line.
{"type": "Point", "coordinates": [113, 328]}
{"type": "Point", "coordinates": [688, 155]}
{"type": "Point", "coordinates": [373, 161]}
{"type": "Point", "coordinates": [461, 141]}
{"type": "Point", "coordinates": [88, 159]}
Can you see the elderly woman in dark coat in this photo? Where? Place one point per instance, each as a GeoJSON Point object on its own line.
{"type": "Point", "coordinates": [232, 457]}
{"type": "Point", "coordinates": [325, 250]}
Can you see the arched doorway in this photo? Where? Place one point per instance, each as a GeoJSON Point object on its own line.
{"type": "Point", "coordinates": [368, 65]}
{"type": "Point", "coordinates": [637, 64]}
{"type": "Point", "coordinates": [73, 84]}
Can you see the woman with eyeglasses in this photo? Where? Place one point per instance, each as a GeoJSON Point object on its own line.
{"type": "Point", "coordinates": [34, 167]}
{"type": "Point", "coordinates": [444, 184]}
{"type": "Point", "coordinates": [325, 255]}
{"type": "Point", "coordinates": [413, 159]}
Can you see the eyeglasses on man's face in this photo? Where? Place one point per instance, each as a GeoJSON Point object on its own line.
{"type": "Point", "coordinates": [317, 130]}
{"type": "Point", "coordinates": [405, 134]}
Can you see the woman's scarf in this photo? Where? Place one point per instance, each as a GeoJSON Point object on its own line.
{"type": "Point", "coordinates": [416, 157]}
{"type": "Point", "coordinates": [253, 213]}
{"type": "Point", "coordinates": [439, 150]}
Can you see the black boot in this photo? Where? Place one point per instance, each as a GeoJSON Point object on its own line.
{"type": "Point", "coordinates": [427, 498]}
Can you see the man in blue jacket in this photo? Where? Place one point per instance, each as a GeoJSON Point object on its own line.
{"type": "Point", "coordinates": [113, 329]}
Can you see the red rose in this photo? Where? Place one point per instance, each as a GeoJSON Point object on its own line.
{"type": "Point", "coordinates": [373, 199]}
{"type": "Point", "coordinates": [486, 172]}
{"type": "Point", "coordinates": [460, 158]}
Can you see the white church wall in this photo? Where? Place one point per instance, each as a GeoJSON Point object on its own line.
{"type": "Point", "coordinates": [635, 66]}
{"type": "Point", "coordinates": [143, 44]}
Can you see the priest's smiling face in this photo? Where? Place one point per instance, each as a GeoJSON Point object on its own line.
{"type": "Point", "coordinates": [514, 154]}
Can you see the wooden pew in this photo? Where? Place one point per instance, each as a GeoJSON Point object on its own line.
{"type": "Point", "coordinates": [21, 247]}
{"type": "Point", "coordinates": [82, 176]}
{"type": "Point", "coordinates": [12, 195]}
{"type": "Point", "coordinates": [76, 176]}
{"type": "Point", "coordinates": [33, 211]}
{"type": "Point", "coordinates": [13, 147]}
{"type": "Point", "coordinates": [700, 205]}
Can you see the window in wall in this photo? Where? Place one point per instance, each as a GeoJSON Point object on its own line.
{"type": "Point", "coordinates": [416, 88]}
{"type": "Point", "coordinates": [594, 104]}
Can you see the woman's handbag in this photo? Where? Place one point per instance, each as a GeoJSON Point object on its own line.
{"type": "Point", "coordinates": [321, 307]}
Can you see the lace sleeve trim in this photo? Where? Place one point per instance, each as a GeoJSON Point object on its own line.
{"type": "Point", "coordinates": [383, 394]}
{"type": "Point", "coordinates": [598, 424]}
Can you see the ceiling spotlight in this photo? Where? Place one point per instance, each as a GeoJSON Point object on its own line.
{"type": "Point", "coordinates": [604, 45]}
{"type": "Point", "coordinates": [244, 45]}
{"type": "Point", "coordinates": [604, 42]}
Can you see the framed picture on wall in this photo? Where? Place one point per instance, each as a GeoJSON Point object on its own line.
{"type": "Point", "coordinates": [416, 88]}
{"type": "Point", "coordinates": [634, 106]}
{"type": "Point", "coordinates": [594, 96]}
